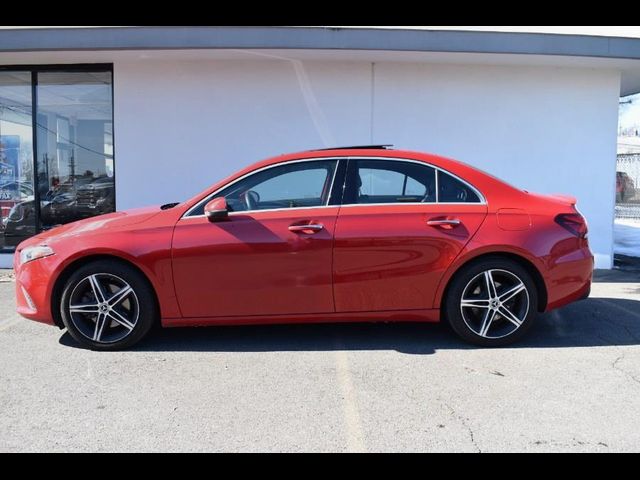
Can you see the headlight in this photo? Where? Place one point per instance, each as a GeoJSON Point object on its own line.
{"type": "Point", "coordinates": [33, 253]}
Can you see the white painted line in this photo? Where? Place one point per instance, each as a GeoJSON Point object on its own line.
{"type": "Point", "coordinates": [353, 425]}
{"type": "Point", "coordinates": [7, 324]}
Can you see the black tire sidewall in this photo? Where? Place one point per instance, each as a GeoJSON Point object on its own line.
{"type": "Point", "coordinates": [143, 290]}
{"type": "Point", "coordinates": [454, 295]}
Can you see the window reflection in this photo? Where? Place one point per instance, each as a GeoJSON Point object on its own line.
{"type": "Point", "coordinates": [75, 163]}
{"type": "Point", "coordinates": [74, 176]}
{"type": "Point", "coordinates": [17, 222]}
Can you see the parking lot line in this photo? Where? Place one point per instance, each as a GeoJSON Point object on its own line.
{"type": "Point", "coordinates": [351, 413]}
{"type": "Point", "coordinates": [5, 325]}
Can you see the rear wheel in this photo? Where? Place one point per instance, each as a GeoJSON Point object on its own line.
{"type": "Point", "coordinates": [492, 302]}
{"type": "Point", "coordinates": [108, 305]}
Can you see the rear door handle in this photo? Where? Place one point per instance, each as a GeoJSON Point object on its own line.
{"type": "Point", "coordinates": [311, 228]}
{"type": "Point", "coordinates": [444, 223]}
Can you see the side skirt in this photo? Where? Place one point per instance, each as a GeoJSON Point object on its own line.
{"type": "Point", "coordinates": [431, 316]}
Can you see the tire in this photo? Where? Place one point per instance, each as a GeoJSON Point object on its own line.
{"type": "Point", "coordinates": [482, 320]}
{"type": "Point", "coordinates": [108, 305]}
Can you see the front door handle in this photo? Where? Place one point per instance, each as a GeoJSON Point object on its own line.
{"type": "Point", "coordinates": [310, 228]}
{"type": "Point", "coordinates": [444, 223]}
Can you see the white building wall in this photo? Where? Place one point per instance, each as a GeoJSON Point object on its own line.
{"type": "Point", "coordinates": [546, 130]}
{"type": "Point", "coordinates": [180, 126]}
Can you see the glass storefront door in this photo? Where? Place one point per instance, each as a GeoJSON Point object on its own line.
{"type": "Point", "coordinates": [73, 175]}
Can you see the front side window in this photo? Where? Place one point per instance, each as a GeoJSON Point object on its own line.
{"type": "Point", "coordinates": [390, 181]}
{"type": "Point", "coordinates": [293, 185]}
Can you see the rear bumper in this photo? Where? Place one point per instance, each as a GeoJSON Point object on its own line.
{"type": "Point", "coordinates": [569, 279]}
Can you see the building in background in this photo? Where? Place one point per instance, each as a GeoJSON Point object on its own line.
{"type": "Point", "coordinates": [626, 230]}
{"type": "Point", "coordinates": [93, 119]}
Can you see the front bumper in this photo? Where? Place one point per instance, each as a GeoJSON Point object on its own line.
{"type": "Point", "coordinates": [34, 284]}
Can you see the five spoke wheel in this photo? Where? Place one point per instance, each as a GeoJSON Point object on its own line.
{"type": "Point", "coordinates": [494, 303]}
{"type": "Point", "coordinates": [104, 308]}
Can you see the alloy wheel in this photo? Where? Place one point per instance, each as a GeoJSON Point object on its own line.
{"type": "Point", "coordinates": [494, 303]}
{"type": "Point", "coordinates": [104, 308]}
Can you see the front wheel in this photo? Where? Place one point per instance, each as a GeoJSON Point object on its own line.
{"type": "Point", "coordinates": [492, 302]}
{"type": "Point", "coordinates": [108, 305]}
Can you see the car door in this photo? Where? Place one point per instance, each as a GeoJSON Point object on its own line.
{"type": "Point", "coordinates": [401, 225]}
{"type": "Point", "coordinates": [273, 254]}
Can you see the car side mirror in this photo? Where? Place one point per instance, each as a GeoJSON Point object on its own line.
{"type": "Point", "coordinates": [216, 210]}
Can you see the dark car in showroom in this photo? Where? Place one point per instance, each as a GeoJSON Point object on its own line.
{"type": "Point", "coordinates": [62, 204]}
{"type": "Point", "coordinates": [12, 193]}
{"type": "Point", "coordinates": [96, 198]}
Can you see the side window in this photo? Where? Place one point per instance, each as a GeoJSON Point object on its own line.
{"type": "Point", "coordinates": [375, 182]}
{"type": "Point", "coordinates": [301, 184]}
{"type": "Point", "coordinates": [390, 181]}
{"type": "Point", "coordinates": [452, 190]}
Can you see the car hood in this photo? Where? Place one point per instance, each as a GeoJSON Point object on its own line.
{"type": "Point", "coordinates": [104, 223]}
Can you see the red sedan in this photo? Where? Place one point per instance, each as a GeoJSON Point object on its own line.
{"type": "Point", "coordinates": [358, 234]}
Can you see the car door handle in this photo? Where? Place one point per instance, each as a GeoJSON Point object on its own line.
{"type": "Point", "coordinates": [444, 223]}
{"type": "Point", "coordinates": [310, 228]}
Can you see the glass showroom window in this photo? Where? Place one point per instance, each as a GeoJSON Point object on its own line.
{"type": "Point", "coordinates": [16, 159]}
{"type": "Point", "coordinates": [73, 173]}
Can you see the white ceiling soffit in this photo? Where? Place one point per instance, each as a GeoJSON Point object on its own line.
{"type": "Point", "coordinates": [604, 47]}
{"type": "Point", "coordinates": [605, 31]}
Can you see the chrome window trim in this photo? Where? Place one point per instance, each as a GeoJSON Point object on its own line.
{"type": "Point", "coordinates": [482, 198]}
{"type": "Point", "coordinates": [253, 172]}
{"type": "Point", "coordinates": [333, 181]}
{"type": "Point", "coordinates": [246, 212]}
{"type": "Point", "coordinates": [403, 203]}
{"type": "Point", "coordinates": [397, 204]}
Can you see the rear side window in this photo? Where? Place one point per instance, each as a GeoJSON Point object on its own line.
{"type": "Point", "coordinates": [390, 181]}
{"type": "Point", "coordinates": [452, 190]}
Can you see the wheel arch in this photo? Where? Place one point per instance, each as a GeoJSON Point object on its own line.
{"type": "Point", "coordinates": [61, 280]}
{"type": "Point", "coordinates": [524, 262]}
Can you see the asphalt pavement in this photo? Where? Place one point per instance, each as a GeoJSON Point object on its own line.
{"type": "Point", "coordinates": [572, 385]}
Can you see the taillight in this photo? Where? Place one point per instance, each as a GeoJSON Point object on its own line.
{"type": "Point", "coordinates": [574, 223]}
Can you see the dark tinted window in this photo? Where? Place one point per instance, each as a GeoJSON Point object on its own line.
{"type": "Point", "coordinates": [294, 185]}
{"type": "Point", "coordinates": [389, 181]}
{"type": "Point", "coordinates": [452, 190]}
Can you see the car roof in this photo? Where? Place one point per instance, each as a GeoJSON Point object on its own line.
{"type": "Point", "coordinates": [482, 181]}
{"type": "Point", "coordinates": [375, 151]}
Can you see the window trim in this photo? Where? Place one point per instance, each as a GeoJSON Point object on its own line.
{"type": "Point", "coordinates": [405, 180]}
{"type": "Point", "coordinates": [211, 196]}
{"type": "Point", "coordinates": [483, 200]}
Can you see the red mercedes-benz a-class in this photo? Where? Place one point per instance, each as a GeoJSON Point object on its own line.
{"type": "Point", "coordinates": [342, 235]}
